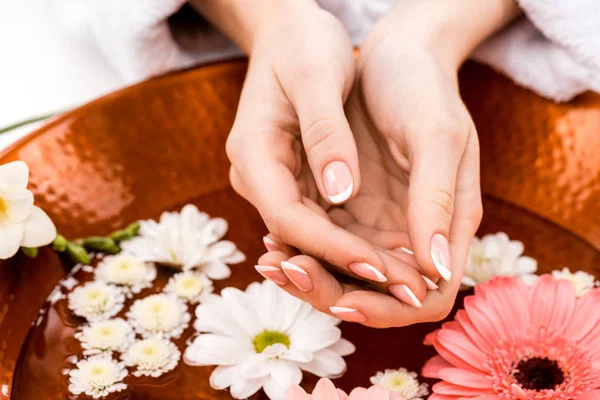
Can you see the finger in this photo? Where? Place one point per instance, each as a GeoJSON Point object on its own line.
{"type": "Point", "coordinates": [271, 244]}
{"type": "Point", "coordinates": [326, 135]}
{"type": "Point", "coordinates": [431, 201]}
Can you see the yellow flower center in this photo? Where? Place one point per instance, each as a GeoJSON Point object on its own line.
{"type": "Point", "coordinates": [124, 266]}
{"type": "Point", "coordinates": [105, 332]}
{"type": "Point", "coordinates": [189, 283]}
{"type": "Point", "coordinates": [398, 381]}
{"type": "Point", "coordinates": [268, 338]}
{"type": "Point", "coordinates": [97, 371]}
{"type": "Point", "coordinates": [148, 351]}
{"type": "Point", "coordinates": [156, 308]}
{"type": "Point", "coordinates": [3, 208]}
{"type": "Point", "coordinates": [95, 295]}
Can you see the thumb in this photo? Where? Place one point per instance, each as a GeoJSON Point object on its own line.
{"type": "Point", "coordinates": [431, 207]}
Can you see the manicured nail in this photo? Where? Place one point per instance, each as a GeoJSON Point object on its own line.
{"type": "Point", "coordinates": [348, 314]}
{"type": "Point", "coordinates": [403, 293]}
{"type": "Point", "coordinates": [367, 271]}
{"type": "Point", "coordinates": [298, 276]}
{"type": "Point", "coordinates": [440, 254]}
{"type": "Point", "coordinates": [431, 285]}
{"type": "Point", "coordinates": [407, 251]}
{"type": "Point", "coordinates": [272, 273]}
{"type": "Point", "coordinates": [270, 244]}
{"type": "Point", "coordinates": [338, 182]}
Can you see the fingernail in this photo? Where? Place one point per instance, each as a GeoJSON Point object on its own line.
{"type": "Point", "coordinates": [403, 293]}
{"type": "Point", "coordinates": [272, 273]}
{"type": "Point", "coordinates": [407, 251]}
{"type": "Point", "coordinates": [431, 285]}
{"type": "Point", "coordinates": [367, 271]}
{"type": "Point", "coordinates": [440, 254]}
{"type": "Point", "coordinates": [338, 182]}
{"type": "Point", "coordinates": [270, 244]}
{"type": "Point", "coordinates": [298, 276]}
{"type": "Point", "coordinates": [348, 314]}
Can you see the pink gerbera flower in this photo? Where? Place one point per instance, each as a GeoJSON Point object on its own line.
{"type": "Point", "coordinates": [325, 390]}
{"type": "Point", "coordinates": [512, 341]}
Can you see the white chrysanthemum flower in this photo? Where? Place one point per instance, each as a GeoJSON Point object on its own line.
{"type": "Point", "coordinates": [97, 376]}
{"type": "Point", "coordinates": [152, 357]}
{"type": "Point", "coordinates": [105, 336]}
{"type": "Point", "coordinates": [189, 239]}
{"type": "Point", "coordinates": [21, 223]}
{"type": "Point", "coordinates": [264, 338]}
{"type": "Point", "coordinates": [96, 301]}
{"type": "Point", "coordinates": [189, 285]}
{"type": "Point", "coordinates": [403, 382]}
{"type": "Point", "coordinates": [583, 281]}
{"type": "Point", "coordinates": [126, 270]}
{"type": "Point", "coordinates": [496, 255]}
{"type": "Point", "coordinates": [159, 314]}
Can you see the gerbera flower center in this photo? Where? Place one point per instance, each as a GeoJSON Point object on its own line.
{"type": "Point", "coordinates": [539, 373]}
{"type": "Point", "coordinates": [269, 338]}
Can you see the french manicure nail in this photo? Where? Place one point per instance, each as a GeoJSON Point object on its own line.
{"type": "Point", "coordinates": [407, 251]}
{"type": "Point", "coordinates": [431, 285]}
{"type": "Point", "coordinates": [367, 271]}
{"type": "Point", "coordinates": [298, 276]}
{"type": "Point", "coordinates": [440, 254]}
{"type": "Point", "coordinates": [338, 182]}
{"type": "Point", "coordinates": [272, 273]}
{"type": "Point", "coordinates": [348, 314]}
{"type": "Point", "coordinates": [270, 244]}
{"type": "Point", "coordinates": [403, 293]}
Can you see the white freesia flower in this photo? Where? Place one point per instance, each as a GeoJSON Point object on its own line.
{"type": "Point", "coordinates": [97, 376]}
{"type": "Point", "coordinates": [105, 336]}
{"type": "Point", "coordinates": [189, 239]}
{"type": "Point", "coordinates": [152, 357]}
{"type": "Point", "coordinates": [21, 223]}
{"type": "Point", "coordinates": [403, 382]}
{"type": "Point", "coordinates": [159, 314]}
{"type": "Point", "coordinates": [126, 270]}
{"type": "Point", "coordinates": [96, 301]}
{"type": "Point", "coordinates": [189, 285]}
{"type": "Point", "coordinates": [264, 338]}
{"type": "Point", "coordinates": [496, 255]}
{"type": "Point", "coordinates": [583, 281]}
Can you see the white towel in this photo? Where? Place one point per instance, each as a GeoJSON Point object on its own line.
{"type": "Point", "coordinates": [555, 51]}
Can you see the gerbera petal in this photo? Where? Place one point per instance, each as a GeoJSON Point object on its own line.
{"type": "Point", "coordinates": [462, 348]}
{"type": "Point", "coordinates": [377, 392]}
{"type": "Point", "coordinates": [542, 301]}
{"type": "Point", "coordinates": [325, 389]}
{"type": "Point", "coordinates": [432, 367]}
{"type": "Point", "coordinates": [455, 390]}
{"type": "Point", "coordinates": [11, 236]}
{"type": "Point", "coordinates": [564, 305]}
{"type": "Point", "coordinates": [295, 392]}
{"type": "Point", "coordinates": [14, 173]}
{"type": "Point", "coordinates": [584, 319]}
{"type": "Point", "coordinates": [435, 396]}
{"type": "Point", "coordinates": [592, 395]}
{"type": "Point", "coordinates": [474, 334]}
{"type": "Point", "coordinates": [482, 318]}
{"type": "Point", "coordinates": [39, 229]}
{"type": "Point", "coordinates": [461, 377]}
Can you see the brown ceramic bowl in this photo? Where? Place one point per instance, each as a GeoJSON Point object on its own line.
{"type": "Point", "coordinates": [161, 144]}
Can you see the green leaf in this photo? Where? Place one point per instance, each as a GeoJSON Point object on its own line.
{"type": "Point", "coordinates": [133, 228]}
{"type": "Point", "coordinates": [60, 243]}
{"type": "Point", "coordinates": [31, 252]}
{"type": "Point", "coordinates": [102, 244]}
{"type": "Point", "coordinates": [78, 253]}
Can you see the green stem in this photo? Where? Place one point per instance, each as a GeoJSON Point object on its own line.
{"type": "Point", "coordinates": [26, 122]}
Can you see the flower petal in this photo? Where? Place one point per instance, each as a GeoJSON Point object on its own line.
{"type": "Point", "coordinates": [216, 270]}
{"type": "Point", "coordinates": [455, 390]}
{"type": "Point", "coordinates": [285, 373]}
{"type": "Point", "coordinates": [325, 363]}
{"type": "Point", "coordinates": [462, 350]}
{"type": "Point", "coordinates": [39, 229]}
{"type": "Point", "coordinates": [273, 390]}
{"type": "Point", "coordinates": [584, 319]}
{"type": "Point", "coordinates": [325, 389]}
{"type": "Point", "coordinates": [17, 201]}
{"type": "Point", "coordinates": [592, 395]}
{"type": "Point", "coordinates": [14, 173]}
{"type": "Point", "coordinates": [465, 378]}
{"type": "Point", "coordinates": [343, 347]}
{"type": "Point", "coordinates": [432, 367]}
{"type": "Point", "coordinates": [11, 236]}
{"type": "Point", "coordinates": [244, 388]}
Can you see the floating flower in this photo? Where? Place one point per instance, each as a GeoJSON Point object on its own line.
{"type": "Point", "coordinates": [325, 390]}
{"type": "Point", "coordinates": [516, 342]}
{"type": "Point", "coordinates": [189, 285]}
{"type": "Point", "coordinates": [105, 336]}
{"type": "Point", "coordinates": [186, 240]}
{"type": "Point", "coordinates": [152, 357]}
{"type": "Point", "coordinates": [403, 382]}
{"type": "Point", "coordinates": [159, 314]}
{"type": "Point", "coordinates": [21, 223]}
{"type": "Point", "coordinates": [264, 338]}
{"type": "Point", "coordinates": [497, 255]}
{"type": "Point", "coordinates": [97, 376]}
{"type": "Point", "coordinates": [583, 281]}
{"type": "Point", "coordinates": [96, 301]}
{"type": "Point", "coordinates": [126, 270]}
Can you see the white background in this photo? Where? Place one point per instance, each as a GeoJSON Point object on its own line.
{"type": "Point", "coordinates": [42, 68]}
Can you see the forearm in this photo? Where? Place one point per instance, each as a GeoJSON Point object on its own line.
{"type": "Point", "coordinates": [242, 20]}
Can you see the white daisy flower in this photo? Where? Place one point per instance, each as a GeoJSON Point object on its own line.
{"type": "Point", "coordinates": [96, 301]}
{"type": "Point", "coordinates": [126, 270]}
{"type": "Point", "coordinates": [496, 255]}
{"type": "Point", "coordinates": [583, 281]}
{"type": "Point", "coordinates": [189, 239]}
{"type": "Point", "coordinates": [264, 338]}
{"type": "Point", "coordinates": [21, 223]}
{"type": "Point", "coordinates": [97, 376]}
{"type": "Point", "coordinates": [159, 314]}
{"type": "Point", "coordinates": [105, 336]}
{"type": "Point", "coordinates": [189, 285]}
{"type": "Point", "coordinates": [403, 382]}
{"type": "Point", "coordinates": [152, 357]}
